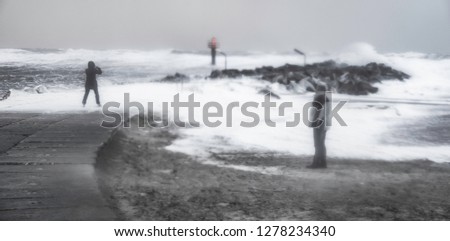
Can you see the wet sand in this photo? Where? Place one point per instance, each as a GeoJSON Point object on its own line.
{"type": "Point", "coordinates": [143, 181]}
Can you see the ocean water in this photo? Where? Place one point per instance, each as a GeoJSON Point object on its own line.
{"type": "Point", "coordinates": [379, 126]}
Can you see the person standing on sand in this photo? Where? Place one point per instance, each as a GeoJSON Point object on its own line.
{"type": "Point", "coordinates": [91, 82]}
{"type": "Point", "coordinates": [320, 124]}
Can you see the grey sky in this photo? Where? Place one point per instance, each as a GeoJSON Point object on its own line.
{"type": "Point", "coordinates": [319, 25]}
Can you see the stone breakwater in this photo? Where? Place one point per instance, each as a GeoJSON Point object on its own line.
{"type": "Point", "coordinates": [343, 78]}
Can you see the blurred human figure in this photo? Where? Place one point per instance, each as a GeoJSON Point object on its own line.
{"type": "Point", "coordinates": [320, 124]}
{"type": "Point", "coordinates": [213, 46]}
{"type": "Point", "coordinates": [91, 82]}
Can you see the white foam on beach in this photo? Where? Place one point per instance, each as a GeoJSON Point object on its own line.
{"type": "Point", "coordinates": [367, 130]}
{"type": "Point", "coordinates": [365, 137]}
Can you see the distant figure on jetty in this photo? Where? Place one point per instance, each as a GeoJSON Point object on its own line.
{"type": "Point", "coordinates": [319, 123]}
{"type": "Point", "coordinates": [213, 45]}
{"type": "Point", "coordinates": [91, 82]}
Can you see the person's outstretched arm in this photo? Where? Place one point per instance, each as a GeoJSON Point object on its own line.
{"type": "Point", "coordinates": [98, 70]}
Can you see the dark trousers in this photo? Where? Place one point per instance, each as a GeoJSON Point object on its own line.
{"type": "Point", "coordinates": [320, 156]}
{"type": "Point", "coordinates": [86, 94]}
{"type": "Point", "coordinates": [213, 56]}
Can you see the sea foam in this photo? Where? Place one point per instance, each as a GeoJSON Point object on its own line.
{"type": "Point", "coordinates": [371, 125]}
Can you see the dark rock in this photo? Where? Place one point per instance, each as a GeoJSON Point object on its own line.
{"type": "Point", "coordinates": [269, 77]}
{"type": "Point", "coordinates": [177, 77]}
{"type": "Point", "coordinates": [267, 91]}
{"type": "Point", "coordinates": [356, 88]}
{"type": "Point", "coordinates": [289, 68]}
{"type": "Point", "coordinates": [349, 79]}
{"type": "Point", "coordinates": [40, 89]}
{"type": "Point", "coordinates": [231, 73]}
{"type": "Point", "coordinates": [248, 72]}
{"type": "Point", "coordinates": [215, 74]}
{"type": "Point", "coordinates": [4, 94]}
{"type": "Point", "coordinates": [264, 70]}
{"type": "Point", "coordinates": [227, 73]}
{"type": "Point", "coordinates": [308, 84]}
{"type": "Point", "coordinates": [296, 76]}
{"type": "Point", "coordinates": [281, 79]}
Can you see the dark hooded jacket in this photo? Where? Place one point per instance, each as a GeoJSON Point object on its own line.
{"type": "Point", "coordinates": [322, 109]}
{"type": "Point", "coordinates": [91, 72]}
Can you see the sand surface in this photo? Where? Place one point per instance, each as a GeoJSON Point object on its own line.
{"type": "Point", "coordinates": [144, 181]}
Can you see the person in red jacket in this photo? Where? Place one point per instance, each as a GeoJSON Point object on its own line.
{"type": "Point", "coordinates": [91, 82]}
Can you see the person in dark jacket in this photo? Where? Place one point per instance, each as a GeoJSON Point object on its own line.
{"type": "Point", "coordinates": [320, 118]}
{"type": "Point", "coordinates": [91, 82]}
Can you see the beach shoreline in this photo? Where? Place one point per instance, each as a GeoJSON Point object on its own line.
{"type": "Point", "coordinates": [133, 176]}
{"type": "Point", "coordinates": [144, 181]}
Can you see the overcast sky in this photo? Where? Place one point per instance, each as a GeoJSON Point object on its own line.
{"type": "Point", "coordinates": [315, 25]}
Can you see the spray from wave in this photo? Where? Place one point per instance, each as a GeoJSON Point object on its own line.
{"type": "Point", "coordinates": [370, 126]}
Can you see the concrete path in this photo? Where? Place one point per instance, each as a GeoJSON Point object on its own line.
{"type": "Point", "coordinates": [47, 167]}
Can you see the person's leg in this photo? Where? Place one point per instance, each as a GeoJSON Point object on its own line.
{"type": "Point", "coordinates": [97, 96]}
{"type": "Point", "coordinates": [316, 146]}
{"type": "Point", "coordinates": [86, 93]}
{"type": "Point", "coordinates": [319, 160]}
{"type": "Point", "coordinates": [323, 149]}
{"type": "Point", "coordinates": [316, 159]}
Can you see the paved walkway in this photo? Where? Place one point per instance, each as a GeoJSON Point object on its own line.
{"type": "Point", "coordinates": [47, 167]}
